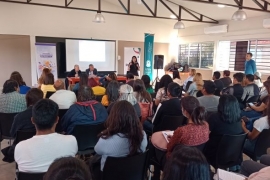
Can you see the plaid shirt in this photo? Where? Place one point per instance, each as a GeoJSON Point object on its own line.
{"type": "Point", "coordinates": [12, 102]}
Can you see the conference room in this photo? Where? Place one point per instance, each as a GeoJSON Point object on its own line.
{"type": "Point", "coordinates": [90, 58]}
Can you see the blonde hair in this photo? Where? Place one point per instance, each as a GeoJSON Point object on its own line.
{"type": "Point", "coordinates": [198, 80]}
{"type": "Point", "coordinates": [193, 72]}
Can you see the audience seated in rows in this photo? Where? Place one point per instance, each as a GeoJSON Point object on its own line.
{"type": "Point", "coordinates": [97, 90]}
{"type": "Point", "coordinates": [236, 90]}
{"type": "Point", "coordinates": [258, 126]}
{"type": "Point", "coordinates": [64, 98]}
{"type": "Point", "coordinates": [44, 73]}
{"type": "Point", "coordinates": [123, 134]}
{"type": "Point", "coordinates": [48, 84]}
{"type": "Point", "coordinates": [83, 82]}
{"type": "Point", "coordinates": [258, 80]}
{"type": "Point", "coordinates": [176, 78]}
{"type": "Point", "coordinates": [196, 86]}
{"type": "Point", "coordinates": [130, 79]}
{"type": "Point", "coordinates": [146, 80]}
{"type": "Point", "coordinates": [192, 73]}
{"type": "Point", "coordinates": [186, 163]}
{"type": "Point", "coordinates": [68, 168]}
{"type": "Point", "coordinates": [85, 111]}
{"type": "Point", "coordinates": [11, 100]}
{"type": "Point", "coordinates": [226, 121]}
{"type": "Point", "coordinates": [22, 121]}
{"type": "Point", "coordinates": [209, 100]}
{"type": "Point", "coordinates": [216, 78]}
{"type": "Point", "coordinates": [16, 76]}
{"type": "Point", "coordinates": [126, 93]}
{"type": "Point", "coordinates": [37, 153]}
{"type": "Point", "coordinates": [162, 91]}
{"type": "Point", "coordinates": [144, 99]}
{"type": "Point", "coordinates": [250, 89]}
{"type": "Point", "coordinates": [111, 94]}
{"type": "Point", "coordinates": [171, 107]}
{"type": "Point", "coordinates": [226, 80]}
{"type": "Point", "coordinates": [257, 171]}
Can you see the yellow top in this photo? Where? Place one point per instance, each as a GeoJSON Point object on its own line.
{"type": "Point", "coordinates": [105, 101]}
{"type": "Point", "coordinates": [46, 88]}
{"type": "Point", "coordinates": [98, 90]}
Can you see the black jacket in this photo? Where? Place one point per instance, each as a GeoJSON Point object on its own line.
{"type": "Point", "coordinates": [73, 72]}
{"type": "Point", "coordinates": [88, 70]}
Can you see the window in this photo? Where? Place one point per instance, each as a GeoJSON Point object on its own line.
{"type": "Point", "coordinates": [196, 55]}
{"type": "Point", "coordinates": [232, 57]}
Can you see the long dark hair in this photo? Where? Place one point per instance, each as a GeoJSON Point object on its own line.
{"type": "Point", "coordinates": [83, 80]}
{"type": "Point", "coordinates": [176, 75]}
{"type": "Point", "coordinates": [174, 89]}
{"type": "Point", "coordinates": [113, 76]}
{"type": "Point", "coordinates": [123, 119]}
{"type": "Point", "coordinates": [85, 93]}
{"type": "Point", "coordinates": [139, 87]}
{"type": "Point", "coordinates": [192, 106]}
{"type": "Point", "coordinates": [112, 91]}
{"type": "Point", "coordinates": [146, 80]}
{"type": "Point", "coordinates": [49, 79]}
{"type": "Point", "coordinates": [229, 109]}
{"type": "Point", "coordinates": [132, 59]}
{"type": "Point", "coordinates": [186, 163]}
{"type": "Point", "coordinates": [165, 81]}
{"type": "Point", "coordinates": [16, 76]}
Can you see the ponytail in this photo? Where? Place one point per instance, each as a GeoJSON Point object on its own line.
{"type": "Point", "coordinates": [198, 115]}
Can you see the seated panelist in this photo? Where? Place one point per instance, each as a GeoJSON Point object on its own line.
{"type": "Point", "coordinates": [76, 72]}
{"type": "Point", "coordinates": [91, 70]}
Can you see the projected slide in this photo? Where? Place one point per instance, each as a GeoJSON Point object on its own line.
{"type": "Point", "coordinates": [84, 52]}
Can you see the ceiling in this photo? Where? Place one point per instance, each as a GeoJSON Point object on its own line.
{"type": "Point", "coordinates": [209, 10]}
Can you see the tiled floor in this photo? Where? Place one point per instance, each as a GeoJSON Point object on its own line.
{"type": "Point", "coordinates": [7, 170]}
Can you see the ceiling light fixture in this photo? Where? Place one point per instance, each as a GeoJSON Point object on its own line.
{"type": "Point", "coordinates": [221, 6]}
{"type": "Point", "coordinates": [173, 16]}
{"type": "Point", "coordinates": [179, 25]}
{"type": "Point", "coordinates": [239, 15]}
{"type": "Point", "coordinates": [99, 18]}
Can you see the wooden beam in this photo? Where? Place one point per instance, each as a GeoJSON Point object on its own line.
{"type": "Point", "coordinates": [123, 6]}
{"type": "Point", "coordinates": [149, 9]}
{"type": "Point", "coordinates": [164, 4]}
{"type": "Point", "coordinates": [155, 10]}
{"type": "Point", "coordinates": [258, 4]}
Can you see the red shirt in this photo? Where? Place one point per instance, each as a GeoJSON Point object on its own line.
{"type": "Point", "coordinates": [189, 135]}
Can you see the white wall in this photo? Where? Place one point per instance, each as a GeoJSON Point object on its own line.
{"type": "Point", "coordinates": [252, 28]}
{"type": "Point", "coordinates": [34, 21]}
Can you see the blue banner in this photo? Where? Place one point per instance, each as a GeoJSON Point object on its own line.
{"type": "Point", "coordinates": [148, 54]}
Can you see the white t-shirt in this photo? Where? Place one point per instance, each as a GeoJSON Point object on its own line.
{"type": "Point", "coordinates": [37, 154]}
{"type": "Point", "coordinates": [261, 124]}
{"type": "Point", "coordinates": [64, 98]}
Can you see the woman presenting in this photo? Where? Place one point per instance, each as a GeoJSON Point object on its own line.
{"type": "Point", "coordinates": [133, 66]}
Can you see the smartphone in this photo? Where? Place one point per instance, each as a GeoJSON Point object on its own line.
{"type": "Point", "coordinates": [250, 104]}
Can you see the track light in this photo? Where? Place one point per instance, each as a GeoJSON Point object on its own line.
{"type": "Point", "coordinates": [239, 15]}
{"type": "Point", "coordinates": [99, 18]}
{"type": "Point", "coordinates": [179, 25]}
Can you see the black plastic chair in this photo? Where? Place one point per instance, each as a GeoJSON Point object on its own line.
{"type": "Point", "coordinates": [87, 137]}
{"type": "Point", "coordinates": [61, 113]}
{"type": "Point", "coordinates": [23, 135]}
{"type": "Point", "coordinates": [261, 146]}
{"type": "Point", "coordinates": [6, 121]}
{"type": "Point", "coordinates": [126, 168]}
{"type": "Point", "coordinates": [170, 123]}
{"type": "Point", "coordinates": [253, 99]}
{"type": "Point", "coordinates": [230, 150]}
{"type": "Point", "coordinates": [48, 94]}
{"type": "Point", "coordinates": [30, 176]}
{"type": "Point", "coordinates": [98, 98]}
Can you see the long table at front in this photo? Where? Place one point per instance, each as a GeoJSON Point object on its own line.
{"type": "Point", "coordinates": [74, 80]}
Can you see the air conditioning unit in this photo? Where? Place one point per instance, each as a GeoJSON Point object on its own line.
{"type": "Point", "coordinates": [266, 23]}
{"type": "Point", "coordinates": [216, 29]}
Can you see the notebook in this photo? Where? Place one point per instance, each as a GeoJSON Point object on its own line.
{"type": "Point", "coordinates": [166, 133]}
{"type": "Point", "coordinates": [226, 175]}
